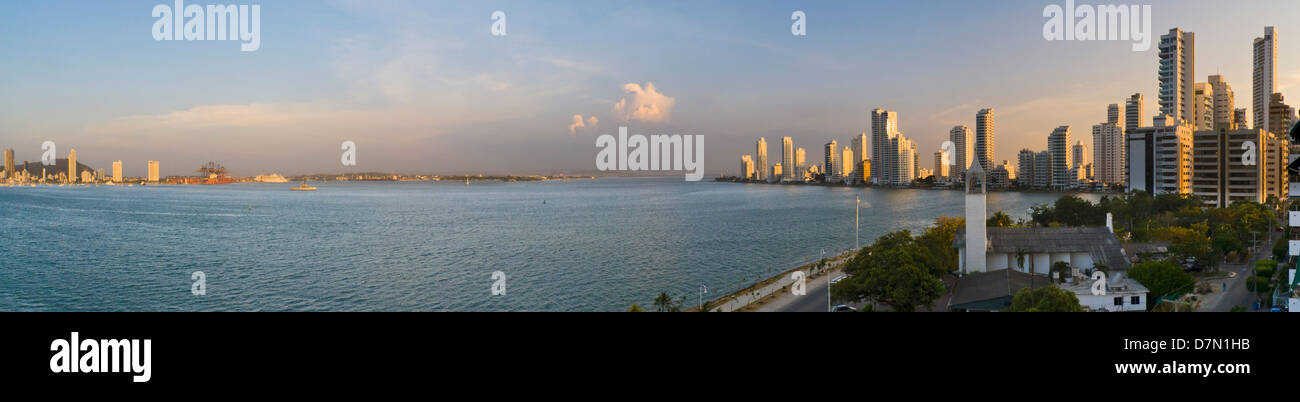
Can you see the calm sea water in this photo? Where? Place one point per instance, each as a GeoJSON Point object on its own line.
{"type": "Point", "coordinates": [581, 245]}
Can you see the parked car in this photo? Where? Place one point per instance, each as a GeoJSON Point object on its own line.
{"type": "Point", "coordinates": [843, 308]}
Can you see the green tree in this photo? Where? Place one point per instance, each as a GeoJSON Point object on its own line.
{"type": "Point", "coordinates": [894, 271]}
{"type": "Point", "coordinates": [664, 303]}
{"type": "Point", "coordinates": [1062, 271]}
{"type": "Point", "coordinates": [1188, 243]}
{"type": "Point", "coordinates": [635, 309]}
{"type": "Point", "coordinates": [1000, 220]}
{"type": "Point", "coordinates": [1050, 299]}
{"type": "Point", "coordinates": [1162, 279]}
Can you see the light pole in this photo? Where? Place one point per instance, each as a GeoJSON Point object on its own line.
{"type": "Point", "coordinates": [703, 290]}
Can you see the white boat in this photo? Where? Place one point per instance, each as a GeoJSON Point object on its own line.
{"type": "Point", "coordinates": [303, 187]}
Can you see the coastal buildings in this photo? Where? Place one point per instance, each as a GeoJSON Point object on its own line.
{"type": "Point", "coordinates": [860, 154]}
{"type": "Point", "coordinates": [884, 128]}
{"type": "Point", "coordinates": [1280, 116]}
{"type": "Point", "coordinates": [1108, 147]}
{"type": "Point", "coordinates": [153, 172]}
{"type": "Point", "coordinates": [1160, 157]}
{"type": "Point", "coordinates": [1177, 75]}
{"type": "Point", "coordinates": [846, 173]}
{"type": "Point", "coordinates": [1080, 155]}
{"type": "Point", "coordinates": [1230, 166]}
{"type": "Point", "coordinates": [1204, 105]}
{"type": "Point", "coordinates": [864, 170]}
{"type": "Point", "coordinates": [984, 138]}
{"type": "Point", "coordinates": [1224, 102]}
{"type": "Point", "coordinates": [9, 164]}
{"type": "Point", "coordinates": [800, 163]}
{"type": "Point", "coordinates": [1025, 168]}
{"type": "Point", "coordinates": [117, 171]}
{"type": "Point", "coordinates": [963, 141]}
{"type": "Point", "coordinates": [777, 173]}
{"type": "Point", "coordinates": [787, 158]}
{"type": "Point", "coordinates": [747, 167]}
{"type": "Point", "coordinates": [1264, 77]}
{"type": "Point", "coordinates": [760, 149]}
{"type": "Point", "coordinates": [1058, 144]}
{"type": "Point", "coordinates": [941, 170]}
{"type": "Point", "coordinates": [72, 166]}
{"type": "Point", "coordinates": [903, 156]}
{"type": "Point", "coordinates": [1133, 111]}
{"type": "Point", "coordinates": [832, 161]}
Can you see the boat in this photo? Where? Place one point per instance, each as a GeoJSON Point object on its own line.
{"type": "Point", "coordinates": [303, 187]}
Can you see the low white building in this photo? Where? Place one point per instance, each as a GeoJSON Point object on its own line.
{"type": "Point", "coordinates": [994, 262]}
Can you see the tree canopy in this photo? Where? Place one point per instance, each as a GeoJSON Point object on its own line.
{"type": "Point", "coordinates": [1049, 299]}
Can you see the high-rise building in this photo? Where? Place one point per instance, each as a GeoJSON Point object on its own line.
{"type": "Point", "coordinates": [153, 172]}
{"type": "Point", "coordinates": [1043, 169]}
{"type": "Point", "coordinates": [847, 173]}
{"type": "Point", "coordinates": [746, 167]}
{"type": "Point", "coordinates": [1204, 102]}
{"type": "Point", "coordinates": [787, 157]}
{"type": "Point", "coordinates": [1160, 157]}
{"type": "Point", "coordinates": [117, 171]}
{"type": "Point", "coordinates": [1239, 118]}
{"type": "Point", "coordinates": [963, 142]}
{"type": "Point", "coordinates": [1058, 143]}
{"type": "Point", "coordinates": [884, 127]}
{"type": "Point", "coordinates": [760, 149]}
{"type": "Point", "coordinates": [1080, 154]}
{"type": "Point", "coordinates": [984, 138]}
{"type": "Point", "coordinates": [9, 164]}
{"type": "Point", "coordinates": [1133, 112]}
{"type": "Point", "coordinates": [1025, 167]}
{"type": "Point", "coordinates": [941, 169]}
{"type": "Point", "coordinates": [777, 173]}
{"type": "Point", "coordinates": [800, 163]}
{"type": "Point", "coordinates": [1112, 113]}
{"type": "Point", "coordinates": [1232, 166]}
{"type": "Point", "coordinates": [832, 161]}
{"type": "Point", "coordinates": [1108, 155]}
{"type": "Point", "coordinates": [1224, 102]}
{"type": "Point", "coordinates": [72, 166]}
{"type": "Point", "coordinates": [1280, 116]}
{"type": "Point", "coordinates": [1265, 76]}
{"type": "Point", "coordinates": [916, 162]}
{"type": "Point", "coordinates": [1177, 75]}
{"type": "Point", "coordinates": [860, 152]}
{"type": "Point", "coordinates": [903, 169]}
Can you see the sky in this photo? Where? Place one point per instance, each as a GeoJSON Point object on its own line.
{"type": "Point", "coordinates": [424, 86]}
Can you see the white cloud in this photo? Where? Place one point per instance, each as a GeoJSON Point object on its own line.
{"type": "Point", "coordinates": [644, 104]}
{"type": "Point", "coordinates": [578, 123]}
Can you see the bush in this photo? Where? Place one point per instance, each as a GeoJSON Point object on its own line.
{"type": "Point", "coordinates": [1260, 283]}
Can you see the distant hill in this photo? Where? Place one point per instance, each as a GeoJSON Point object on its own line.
{"type": "Point", "coordinates": [60, 165]}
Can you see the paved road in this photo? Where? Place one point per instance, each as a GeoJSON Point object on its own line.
{"type": "Point", "coordinates": [1238, 294]}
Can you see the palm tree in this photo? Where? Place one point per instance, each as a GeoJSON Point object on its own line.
{"type": "Point", "coordinates": [664, 302]}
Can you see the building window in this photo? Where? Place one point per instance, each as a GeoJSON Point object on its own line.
{"type": "Point", "coordinates": [1136, 300]}
{"type": "Point", "coordinates": [1119, 301]}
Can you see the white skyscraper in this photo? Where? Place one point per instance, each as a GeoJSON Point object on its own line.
{"type": "Point", "coordinates": [1177, 75]}
{"type": "Point", "coordinates": [984, 138]}
{"type": "Point", "coordinates": [847, 172]}
{"type": "Point", "coordinates": [153, 172]}
{"type": "Point", "coordinates": [1265, 76]}
{"type": "Point", "coordinates": [117, 171]}
{"type": "Point", "coordinates": [760, 149]}
{"type": "Point", "coordinates": [72, 166]}
{"type": "Point", "coordinates": [903, 156]}
{"type": "Point", "coordinates": [1108, 153]}
{"type": "Point", "coordinates": [1134, 111]}
{"type": "Point", "coordinates": [860, 153]}
{"type": "Point", "coordinates": [963, 142]}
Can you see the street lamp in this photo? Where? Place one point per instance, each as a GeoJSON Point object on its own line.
{"type": "Point", "coordinates": [857, 224]}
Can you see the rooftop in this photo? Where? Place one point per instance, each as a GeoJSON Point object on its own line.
{"type": "Point", "coordinates": [1099, 242]}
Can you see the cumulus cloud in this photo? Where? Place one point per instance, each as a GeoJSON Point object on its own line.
{"type": "Point", "coordinates": [644, 104]}
{"type": "Point", "coordinates": [578, 123]}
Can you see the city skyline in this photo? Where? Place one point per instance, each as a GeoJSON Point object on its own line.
{"type": "Point", "coordinates": [362, 72]}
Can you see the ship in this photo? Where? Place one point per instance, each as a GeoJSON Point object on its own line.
{"type": "Point", "coordinates": [303, 187]}
{"type": "Point", "coordinates": [271, 178]}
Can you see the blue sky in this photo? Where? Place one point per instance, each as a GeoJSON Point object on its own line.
{"type": "Point", "coordinates": [422, 86]}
